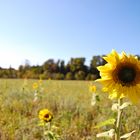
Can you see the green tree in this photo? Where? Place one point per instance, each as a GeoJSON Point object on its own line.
{"type": "Point", "coordinates": [69, 76]}
{"type": "Point", "coordinates": [80, 75]}
{"type": "Point", "coordinates": [77, 64]}
{"type": "Point", "coordinates": [58, 76]}
{"type": "Point", "coordinates": [96, 61]}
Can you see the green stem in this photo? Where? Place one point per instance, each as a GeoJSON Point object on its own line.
{"type": "Point", "coordinates": [46, 127]}
{"type": "Point", "coordinates": [118, 122]}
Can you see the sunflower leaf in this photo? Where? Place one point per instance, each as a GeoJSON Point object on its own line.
{"type": "Point", "coordinates": [109, 134]}
{"type": "Point", "coordinates": [124, 105]}
{"type": "Point", "coordinates": [115, 107]}
{"type": "Point", "coordinates": [95, 99]}
{"type": "Point", "coordinates": [110, 121]}
{"type": "Point", "coordinates": [127, 134]}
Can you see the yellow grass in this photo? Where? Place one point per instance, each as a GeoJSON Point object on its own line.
{"type": "Point", "coordinates": [69, 101]}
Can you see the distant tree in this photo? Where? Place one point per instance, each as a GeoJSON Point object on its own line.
{"type": "Point", "coordinates": [75, 69]}
{"type": "Point", "coordinates": [47, 75]}
{"type": "Point", "coordinates": [67, 68]}
{"type": "Point", "coordinates": [91, 76]}
{"type": "Point", "coordinates": [80, 75]}
{"type": "Point", "coordinates": [77, 64]}
{"type": "Point", "coordinates": [69, 76]}
{"type": "Point", "coordinates": [62, 68]}
{"type": "Point", "coordinates": [12, 73]}
{"type": "Point", "coordinates": [51, 66]}
{"type": "Point", "coordinates": [97, 61]}
{"type": "Point", "coordinates": [58, 76]}
{"type": "Point", "coordinates": [23, 70]}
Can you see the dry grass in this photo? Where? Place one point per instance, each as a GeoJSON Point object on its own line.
{"type": "Point", "coordinates": [70, 103]}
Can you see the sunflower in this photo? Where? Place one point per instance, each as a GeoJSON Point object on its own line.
{"type": "Point", "coordinates": [35, 85]}
{"type": "Point", "coordinates": [92, 88]}
{"type": "Point", "coordinates": [45, 115]}
{"type": "Point", "coordinates": [120, 76]}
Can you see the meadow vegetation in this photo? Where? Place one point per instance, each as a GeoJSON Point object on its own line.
{"type": "Point", "coordinates": [74, 117]}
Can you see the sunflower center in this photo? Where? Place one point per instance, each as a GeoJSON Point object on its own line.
{"type": "Point", "coordinates": [127, 75]}
{"type": "Point", "coordinates": [46, 116]}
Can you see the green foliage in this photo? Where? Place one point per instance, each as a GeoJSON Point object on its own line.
{"type": "Point", "coordinates": [76, 64]}
{"type": "Point", "coordinates": [80, 75]}
{"type": "Point", "coordinates": [69, 76]}
{"type": "Point", "coordinates": [58, 76]}
{"type": "Point", "coordinates": [75, 69]}
{"type": "Point", "coordinates": [110, 121]}
{"type": "Point", "coordinates": [91, 76]}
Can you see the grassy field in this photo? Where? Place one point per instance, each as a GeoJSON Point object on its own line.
{"type": "Point", "coordinates": [70, 103]}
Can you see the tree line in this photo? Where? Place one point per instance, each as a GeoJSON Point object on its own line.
{"type": "Point", "coordinates": [75, 69]}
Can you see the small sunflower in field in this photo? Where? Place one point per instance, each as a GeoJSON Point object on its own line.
{"type": "Point", "coordinates": [35, 85]}
{"type": "Point", "coordinates": [92, 88]}
{"type": "Point", "coordinates": [45, 115]}
{"type": "Point", "coordinates": [120, 76]}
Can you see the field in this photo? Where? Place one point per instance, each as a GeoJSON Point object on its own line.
{"type": "Point", "coordinates": [70, 103]}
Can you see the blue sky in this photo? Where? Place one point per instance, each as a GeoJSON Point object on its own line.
{"type": "Point", "coordinates": [41, 29]}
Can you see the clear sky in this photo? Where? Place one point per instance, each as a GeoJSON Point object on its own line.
{"type": "Point", "coordinates": [41, 29]}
